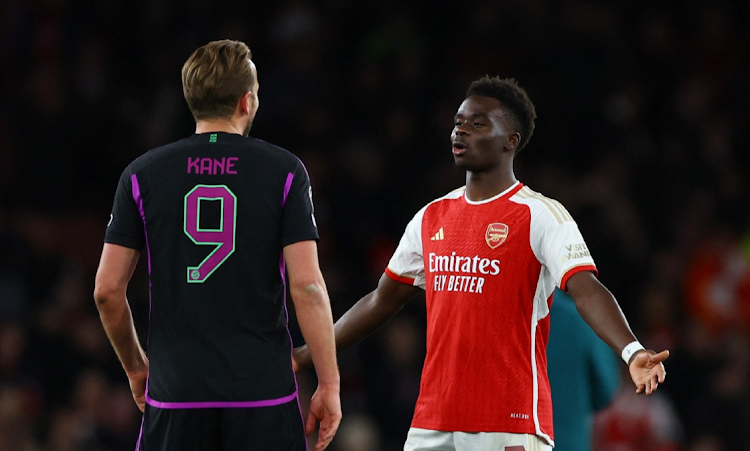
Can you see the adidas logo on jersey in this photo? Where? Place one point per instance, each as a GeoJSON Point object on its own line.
{"type": "Point", "coordinates": [440, 235]}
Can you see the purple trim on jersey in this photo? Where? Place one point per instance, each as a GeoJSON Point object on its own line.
{"type": "Point", "coordinates": [287, 187]}
{"type": "Point", "coordinates": [282, 270]}
{"type": "Point", "coordinates": [139, 202]}
{"type": "Point", "coordinates": [219, 404]}
{"type": "Point", "coordinates": [136, 188]}
{"type": "Point", "coordinates": [140, 437]}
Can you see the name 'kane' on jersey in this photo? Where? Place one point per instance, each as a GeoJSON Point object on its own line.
{"type": "Point", "coordinates": [214, 212]}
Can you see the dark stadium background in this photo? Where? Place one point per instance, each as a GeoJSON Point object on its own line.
{"type": "Point", "coordinates": [642, 133]}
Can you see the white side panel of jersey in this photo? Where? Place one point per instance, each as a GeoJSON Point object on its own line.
{"type": "Point", "coordinates": [408, 260]}
{"type": "Point", "coordinates": [554, 235]}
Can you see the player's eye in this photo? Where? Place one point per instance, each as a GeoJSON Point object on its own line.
{"type": "Point", "coordinates": [478, 124]}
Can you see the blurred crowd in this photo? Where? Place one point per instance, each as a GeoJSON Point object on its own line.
{"type": "Point", "coordinates": [642, 115]}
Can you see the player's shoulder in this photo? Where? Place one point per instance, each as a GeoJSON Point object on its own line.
{"type": "Point", "coordinates": [259, 146]}
{"type": "Point", "coordinates": [454, 195]}
{"type": "Point", "coordinates": [457, 193]}
{"type": "Point", "coordinates": [542, 205]}
{"type": "Point", "coordinates": [152, 156]}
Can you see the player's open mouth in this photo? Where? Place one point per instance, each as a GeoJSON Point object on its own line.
{"type": "Point", "coordinates": [459, 148]}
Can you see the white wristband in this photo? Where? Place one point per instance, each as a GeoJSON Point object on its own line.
{"type": "Point", "coordinates": [630, 349]}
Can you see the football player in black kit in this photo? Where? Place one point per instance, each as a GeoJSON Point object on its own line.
{"type": "Point", "coordinates": [223, 219]}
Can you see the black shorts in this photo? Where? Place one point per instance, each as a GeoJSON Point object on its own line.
{"type": "Point", "coordinates": [273, 428]}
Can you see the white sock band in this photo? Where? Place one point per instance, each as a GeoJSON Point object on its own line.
{"type": "Point", "coordinates": [630, 349]}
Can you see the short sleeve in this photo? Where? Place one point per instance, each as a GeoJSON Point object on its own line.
{"type": "Point", "coordinates": [562, 247]}
{"type": "Point", "coordinates": [126, 227]}
{"type": "Point", "coordinates": [298, 212]}
{"type": "Point", "coordinates": [407, 263]}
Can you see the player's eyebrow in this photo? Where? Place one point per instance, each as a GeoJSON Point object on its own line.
{"type": "Point", "coordinates": [473, 116]}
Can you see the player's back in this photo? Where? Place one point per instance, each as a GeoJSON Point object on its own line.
{"type": "Point", "coordinates": [216, 210]}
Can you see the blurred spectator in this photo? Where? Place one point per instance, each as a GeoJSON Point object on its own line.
{"type": "Point", "coordinates": [584, 374]}
{"type": "Point", "coordinates": [16, 420]}
{"type": "Point", "coordinates": [637, 423]}
{"type": "Point", "coordinates": [717, 283]}
{"type": "Point", "coordinates": [359, 433]}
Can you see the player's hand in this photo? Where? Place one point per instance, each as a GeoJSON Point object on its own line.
{"type": "Point", "coordinates": [301, 358]}
{"type": "Point", "coordinates": [137, 380]}
{"type": "Point", "coordinates": [647, 370]}
{"type": "Point", "coordinates": [325, 406]}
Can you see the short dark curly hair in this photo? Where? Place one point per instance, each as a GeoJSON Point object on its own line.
{"type": "Point", "coordinates": [513, 98]}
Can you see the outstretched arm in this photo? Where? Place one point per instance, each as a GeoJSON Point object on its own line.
{"type": "Point", "coordinates": [366, 316]}
{"type": "Point", "coordinates": [599, 308]}
{"type": "Point", "coordinates": [310, 297]}
{"type": "Point", "coordinates": [115, 270]}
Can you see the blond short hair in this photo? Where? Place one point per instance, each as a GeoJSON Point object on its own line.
{"type": "Point", "coordinates": [214, 78]}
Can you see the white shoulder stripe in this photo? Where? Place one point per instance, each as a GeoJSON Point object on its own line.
{"type": "Point", "coordinates": [555, 207]}
{"type": "Point", "coordinates": [455, 194]}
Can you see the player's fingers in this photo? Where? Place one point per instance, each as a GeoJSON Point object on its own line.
{"type": "Point", "coordinates": [660, 357]}
{"type": "Point", "coordinates": [328, 428]}
{"type": "Point", "coordinates": [323, 441]}
{"type": "Point", "coordinates": [326, 431]}
{"type": "Point", "coordinates": [310, 423]}
{"type": "Point", "coordinates": [332, 426]}
{"type": "Point", "coordinates": [141, 404]}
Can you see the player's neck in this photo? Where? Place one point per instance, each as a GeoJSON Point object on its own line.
{"type": "Point", "coordinates": [483, 185]}
{"type": "Point", "coordinates": [218, 125]}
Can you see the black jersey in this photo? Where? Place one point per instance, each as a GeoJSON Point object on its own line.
{"type": "Point", "coordinates": [214, 212]}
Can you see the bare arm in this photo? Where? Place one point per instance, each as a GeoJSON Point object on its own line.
{"type": "Point", "coordinates": [313, 308]}
{"type": "Point", "coordinates": [373, 311]}
{"type": "Point", "coordinates": [115, 270]}
{"type": "Point", "coordinates": [370, 313]}
{"type": "Point", "coordinates": [599, 308]}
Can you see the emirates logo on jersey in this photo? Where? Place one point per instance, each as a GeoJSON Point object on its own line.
{"type": "Point", "coordinates": [496, 234]}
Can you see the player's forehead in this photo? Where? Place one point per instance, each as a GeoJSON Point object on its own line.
{"type": "Point", "coordinates": [480, 106]}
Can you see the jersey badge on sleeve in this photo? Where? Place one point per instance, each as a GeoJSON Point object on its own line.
{"type": "Point", "coordinates": [496, 234]}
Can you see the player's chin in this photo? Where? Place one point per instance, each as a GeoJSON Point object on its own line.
{"type": "Point", "coordinates": [462, 163]}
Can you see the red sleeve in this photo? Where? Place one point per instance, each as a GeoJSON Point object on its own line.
{"type": "Point", "coordinates": [398, 278]}
{"type": "Point", "coordinates": [575, 270]}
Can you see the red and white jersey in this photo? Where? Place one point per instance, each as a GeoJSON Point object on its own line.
{"type": "Point", "coordinates": [489, 269]}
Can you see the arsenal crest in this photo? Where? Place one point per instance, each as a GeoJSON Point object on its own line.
{"type": "Point", "coordinates": [496, 234]}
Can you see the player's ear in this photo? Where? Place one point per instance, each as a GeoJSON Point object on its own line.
{"type": "Point", "coordinates": [247, 103]}
{"type": "Point", "coordinates": [513, 141]}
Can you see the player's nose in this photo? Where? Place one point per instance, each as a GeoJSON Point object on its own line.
{"type": "Point", "coordinates": [460, 129]}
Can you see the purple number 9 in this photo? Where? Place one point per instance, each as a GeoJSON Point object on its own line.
{"type": "Point", "coordinates": [222, 238]}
